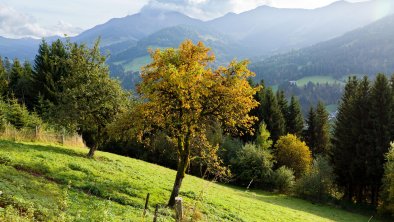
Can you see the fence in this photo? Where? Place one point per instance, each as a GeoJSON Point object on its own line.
{"type": "Point", "coordinates": [40, 135]}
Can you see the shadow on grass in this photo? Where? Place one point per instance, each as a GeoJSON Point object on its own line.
{"type": "Point", "coordinates": [322, 210]}
{"type": "Point", "coordinates": [47, 148]}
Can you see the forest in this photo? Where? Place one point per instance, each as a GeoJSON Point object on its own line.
{"type": "Point", "coordinates": [214, 123]}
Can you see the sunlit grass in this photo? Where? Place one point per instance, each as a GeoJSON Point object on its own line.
{"type": "Point", "coordinates": [61, 183]}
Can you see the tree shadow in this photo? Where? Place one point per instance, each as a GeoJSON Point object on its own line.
{"type": "Point", "coordinates": [330, 212]}
{"type": "Point", "coordinates": [47, 148]}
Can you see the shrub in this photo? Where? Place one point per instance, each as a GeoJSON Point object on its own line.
{"type": "Point", "coordinates": [283, 179]}
{"type": "Point", "coordinates": [293, 153]}
{"type": "Point", "coordinates": [228, 149]}
{"type": "Point", "coordinates": [387, 192]}
{"type": "Point", "coordinates": [316, 184]}
{"type": "Point", "coordinates": [254, 163]}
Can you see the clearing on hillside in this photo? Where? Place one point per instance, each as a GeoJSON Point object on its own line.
{"type": "Point", "coordinates": [53, 183]}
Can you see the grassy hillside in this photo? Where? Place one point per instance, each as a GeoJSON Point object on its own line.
{"type": "Point", "coordinates": [317, 79]}
{"type": "Point", "coordinates": [56, 183]}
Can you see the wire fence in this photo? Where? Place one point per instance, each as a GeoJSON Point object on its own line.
{"type": "Point", "coordinates": [41, 135]}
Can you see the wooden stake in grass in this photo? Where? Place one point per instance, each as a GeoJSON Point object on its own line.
{"type": "Point", "coordinates": [156, 211]}
{"type": "Point", "coordinates": [178, 209]}
{"type": "Point", "coordinates": [146, 203]}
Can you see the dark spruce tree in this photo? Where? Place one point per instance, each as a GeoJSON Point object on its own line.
{"type": "Point", "coordinates": [283, 105]}
{"type": "Point", "coordinates": [322, 130]}
{"type": "Point", "coordinates": [294, 119]}
{"type": "Point", "coordinates": [343, 153]}
{"type": "Point", "coordinates": [381, 117]}
{"type": "Point", "coordinates": [309, 133]}
{"type": "Point", "coordinates": [3, 79]}
{"type": "Point", "coordinates": [272, 115]}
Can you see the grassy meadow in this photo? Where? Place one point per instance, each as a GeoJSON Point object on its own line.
{"type": "Point", "coordinates": [55, 183]}
{"type": "Point", "coordinates": [317, 79]}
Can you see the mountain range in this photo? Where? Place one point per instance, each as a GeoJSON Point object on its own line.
{"type": "Point", "coordinates": [257, 34]}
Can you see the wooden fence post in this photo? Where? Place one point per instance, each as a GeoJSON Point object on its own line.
{"type": "Point", "coordinates": [146, 203]}
{"type": "Point", "coordinates": [36, 133]}
{"type": "Point", "coordinates": [63, 132]}
{"type": "Point", "coordinates": [156, 211]}
{"type": "Point", "coordinates": [178, 209]}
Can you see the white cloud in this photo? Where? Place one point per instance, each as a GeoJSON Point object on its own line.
{"type": "Point", "coordinates": [15, 24]}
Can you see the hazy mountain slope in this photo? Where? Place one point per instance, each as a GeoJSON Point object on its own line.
{"type": "Point", "coordinates": [268, 30]}
{"type": "Point", "coordinates": [18, 48]}
{"type": "Point", "coordinates": [135, 27]}
{"type": "Point", "coordinates": [367, 50]}
{"type": "Point", "coordinates": [222, 46]}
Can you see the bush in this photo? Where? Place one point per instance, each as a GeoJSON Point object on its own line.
{"type": "Point", "coordinates": [317, 184]}
{"type": "Point", "coordinates": [293, 153]}
{"type": "Point", "coordinates": [387, 192]}
{"type": "Point", "coordinates": [228, 149]}
{"type": "Point", "coordinates": [283, 179]}
{"type": "Point", "coordinates": [254, 163]}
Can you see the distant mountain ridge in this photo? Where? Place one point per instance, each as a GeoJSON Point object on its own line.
{"type": "Point", "coordinates": [258, 33]}
{"type": "Point", "coordinates": [365, 51]}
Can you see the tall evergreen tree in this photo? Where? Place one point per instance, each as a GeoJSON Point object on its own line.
{"type": "Point", "coordinates": [3, 79]}
{"type": "Point", "coordinates": [50, 66]}
{"type": "Point", "coordinates": [15, 74]}
{"type": "Point", "coordinates": [295, 121]}
{"type": "Point", "coordinates": [342, 153]}
{"type": "Point", "coordinates": [272, 115]}
{"type": "Point", "coordinates": [322, 130]}
{"type": "Point", "coordinates": [283, 105]}
{"type": "Point", "coordinates": [381, 115]}
{"type": "Point", "coordinates": [309, 133]}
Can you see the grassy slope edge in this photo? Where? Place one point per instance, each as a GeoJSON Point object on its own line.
{"type": "Point", "coordinates": [59, 183]}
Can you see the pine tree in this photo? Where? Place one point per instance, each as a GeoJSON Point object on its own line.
{"type": "Point", "coordinates": [272, 115]}
{"type": "Point", "coordinates": [3, 79]}
{"type": "Point", "coordinates": [295, 121]}
{"type": "Point", "coordinates": [381, 115]}
{"type": "Point", "coordinates": [321, 130]}
{"type": "Point", "coordinates": [342, 153]}
{"type": "Point", "coordinates": [50, 66]}
{"type": "Point", "coordinates": [15, 74]}
{"type": "Point", "coordinates": [283, 105]}
{"type": "Point", "coordinates": [309, 134]}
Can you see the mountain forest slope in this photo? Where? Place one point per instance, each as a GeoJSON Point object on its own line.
{"type": "Point", "coordinates": [365, 51]}
{"type": "Point", "coordinates": [53, 183]}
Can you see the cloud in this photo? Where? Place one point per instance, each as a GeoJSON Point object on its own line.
{"type": "Point", "coordinates": [207, 9]}
{"type": "Point", "coordinates": [14, 24]}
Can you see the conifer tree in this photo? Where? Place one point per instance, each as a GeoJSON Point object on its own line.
{"type": "Point", "coordinates": [295, 121]}
{"type": "Point", "coordinates": [381, 117]}
{"type": "Point", "coordinates": [15, 74]}
{"type": "Point", "coordinates": [342, 153]}
{"type": "Point", "coordinates": [272, 115]}
{"type": "Point", "coordinates": [283, 105]}
{"type": "Point", "coordinates": [321, 130]}
{"type": "Point", "coordinates": [3, 79]}
{"type": "Point", "coordinates": [309, 134]}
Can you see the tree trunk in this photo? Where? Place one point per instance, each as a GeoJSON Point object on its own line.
{"type": "Point", "coordinates": [91, 151]}
{"type": "Point", "coordinates": [182, 166]}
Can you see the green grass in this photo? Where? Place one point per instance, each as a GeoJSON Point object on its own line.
{"type": "Point", "coordinates": [317, 79]}
{"type": "Point", "coordinates": [137, 63]}
{"type": "Point", "coordinates": [58, 183]}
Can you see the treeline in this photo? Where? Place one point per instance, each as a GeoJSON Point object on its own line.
{"type": "Point", "coordinates": [311, 93]}
{"type": "Point", "coordinates": [68, 87]}
{"type": "Point", "coordinates": [362, 135]}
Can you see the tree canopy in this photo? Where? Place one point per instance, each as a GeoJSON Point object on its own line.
{"type": "Point", "coordinates": [182, 96]}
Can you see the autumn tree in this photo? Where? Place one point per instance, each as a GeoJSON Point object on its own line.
{"type": "Point", "coordinates": [182, 96]}
{"type": "Point", "coordinates": [293, 153]}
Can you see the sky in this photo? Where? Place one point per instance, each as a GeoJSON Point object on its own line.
{"type": "Point", "coordinates": [42, 18]}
